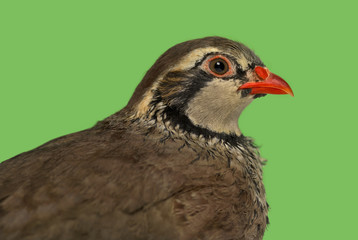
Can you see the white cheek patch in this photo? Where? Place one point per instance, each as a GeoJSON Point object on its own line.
{"type": "Point", "coordinates": [217, 106]}
{"type": "Point", "coordinates": [190, 60]}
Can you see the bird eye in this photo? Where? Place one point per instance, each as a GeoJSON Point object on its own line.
{"type": "Point", "coordinates": [219, 66]}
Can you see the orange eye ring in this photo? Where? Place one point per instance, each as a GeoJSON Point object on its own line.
{"type": "Point", "coordinates": [219, 66]}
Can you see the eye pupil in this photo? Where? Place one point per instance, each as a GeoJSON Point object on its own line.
{"type": "Point", "coordinates": [219, 66]}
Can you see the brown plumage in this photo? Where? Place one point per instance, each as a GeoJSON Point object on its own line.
{"type": "Point", "coordinates": [171, 165]}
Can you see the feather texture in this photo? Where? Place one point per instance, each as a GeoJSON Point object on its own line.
{"type": "Point", "coordinates": [147, 172]}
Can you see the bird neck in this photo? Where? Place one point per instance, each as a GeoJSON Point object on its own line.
{"type": "Point", "coordinates": [173, 121]}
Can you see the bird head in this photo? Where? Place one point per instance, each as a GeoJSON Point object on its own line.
{"type": "Point", "coordinates": [204, 85]}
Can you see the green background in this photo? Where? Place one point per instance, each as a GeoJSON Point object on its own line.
{"type": "Point", "coordinates": [66, 64]}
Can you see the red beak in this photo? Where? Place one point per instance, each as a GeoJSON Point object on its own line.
{"type": "Point", "coordinates": [271, 84]}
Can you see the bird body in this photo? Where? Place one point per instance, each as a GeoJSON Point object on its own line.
{"type": "Point", "coordinates": [171, 165]}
